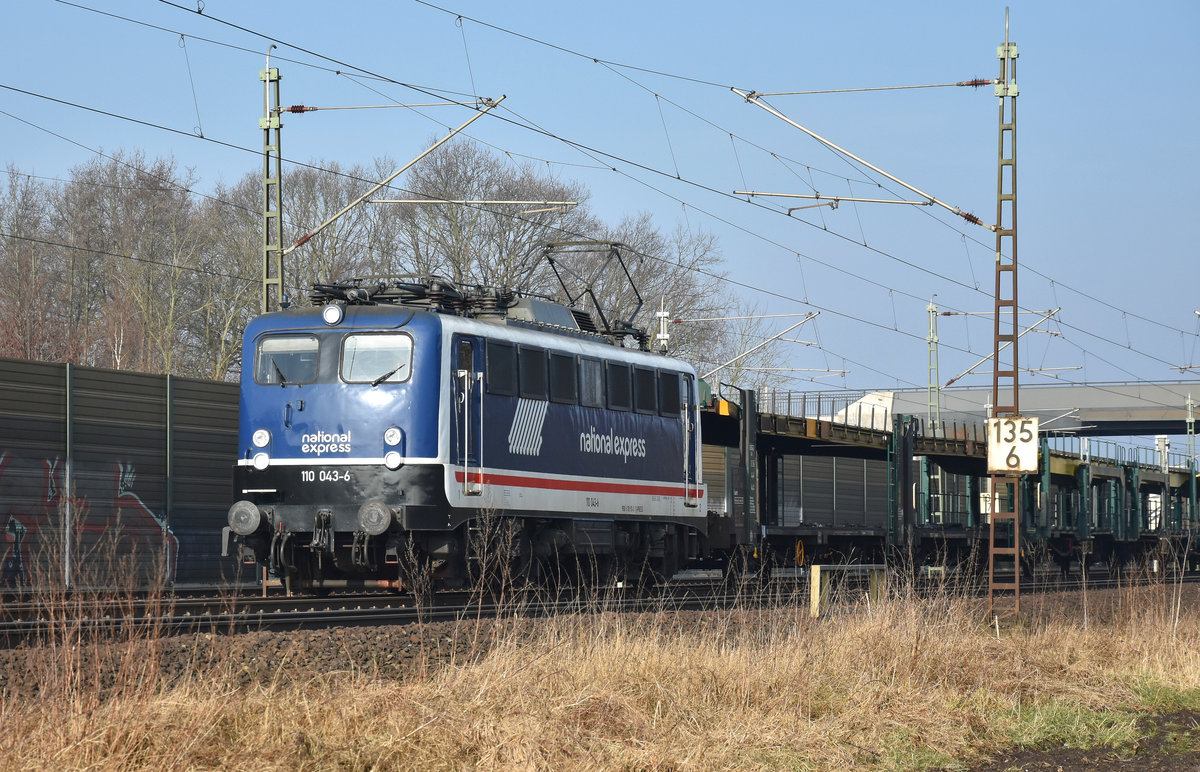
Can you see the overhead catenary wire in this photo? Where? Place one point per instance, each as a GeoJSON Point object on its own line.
{"type": "Point", "coordinates": [563, 49]}
{"type": "Point", "coordinates": [227, 144]}
{"type": "Point", "coordinates": [314, 108]}
{"type": "Point", "coordinates": [967, 216]}
{"type": "Point", "coordinates": [525, 123]}
{"type": "Point", "coordinates": [186, 9]}
{"type": "Point", "coordinates": [135, 258]}
{"type": "Point", "coordinates": [819, 197]}
{"type": "Point", "coordinates": [209, 139]}
{"type": "Point", "coordinates": [479, 201]}
{"type": "Point", "coordinates": [192, 81]}
{"type": "Point", "coordinates": [754, 98]}
{"type": "Point", "coordinates": [243, 279]}
{"type": "Point", "coordinates": [587, 151]}
{"type": "Point", "coordinates": [166, 181]}
{"type": "Point", "coordinates": [235, 47]}
{"type": "Point", "coordinates": [459, 16]}
{"type": "Point", "coordinates": [735, 318]}
{"type": "Point", "coordinates": [525, 37]}
{"type": "Point", "coordinates": [752, 349]}
{"type": "Point", "coordinates": [684, 202]}
{"type": "Point", "coordinates": [467, 54]}
{"type": "Point", "coordinates": [830, 310]}
{"type": "Point", "coordinates": [976, 82]}
{"type": "Point", "coordinates": [167, 129]}
{"type": "Point", "coordinates": [1031, 328]}
{"type": "Point", "coordinates": [577, 145]}
{"type": "Point", "coordinates": [488, 104]}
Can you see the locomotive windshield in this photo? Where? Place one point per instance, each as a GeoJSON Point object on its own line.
{"type": "Point", "coordinates": [377, 358]}
{"type": "Point", "coordinates": [284, 359]}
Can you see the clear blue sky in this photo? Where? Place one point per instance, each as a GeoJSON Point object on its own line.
{"type": "Point", "coordinates": [1107, 141]}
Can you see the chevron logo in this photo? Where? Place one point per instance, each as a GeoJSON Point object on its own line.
{"type": "Point", "coordinates": [525, 436]}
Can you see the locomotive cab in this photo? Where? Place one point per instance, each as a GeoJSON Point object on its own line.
{"type": "Point", "coordinates": [338, 428]}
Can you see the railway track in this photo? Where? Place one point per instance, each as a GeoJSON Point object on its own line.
{"type": "Point", "coordinates": [29, 622]}
{"type": "Point", "coordinates": [26, 622]}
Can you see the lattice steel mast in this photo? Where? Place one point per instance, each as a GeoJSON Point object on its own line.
{"type": "Point", "coordinates": [272, 243]}
{"type": "Point", "coordinates": [934, 416]}
{"type": "Point", "coordinates": [1004, 529]}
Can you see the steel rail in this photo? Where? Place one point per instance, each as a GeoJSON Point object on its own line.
{"type": "Point", "coordinates": [222, 614]}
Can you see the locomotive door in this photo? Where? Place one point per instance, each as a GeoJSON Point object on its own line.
{"type": "Point", "coordinates": [468, 414]}
{"type": "Point", "coordinates": [691, 448]}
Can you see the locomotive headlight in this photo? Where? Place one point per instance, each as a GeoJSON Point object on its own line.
{"type": "Point", "coordinates": [392, 459]}
{"type": "Point", "coordinates": [374, 517]}
{"type": "Point", "coordinates": [244, 518]}
{"type": "Point", "coordinates": [260, 438]}
{"type": "Point", "coordinates": [332, 314]}
{"type": "Point", "coordinates": [261, 461]}
{"type": "Point", "coordinates": [392, 436]}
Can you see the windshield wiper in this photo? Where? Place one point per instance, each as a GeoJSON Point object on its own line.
{"type": "Point", "coordinates": [282, 377]}
{"type": "Point", "coordinates": [388, 374]}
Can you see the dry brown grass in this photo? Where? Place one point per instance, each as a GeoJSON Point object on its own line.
{"type": "Point", "coordinates": [905, 683]}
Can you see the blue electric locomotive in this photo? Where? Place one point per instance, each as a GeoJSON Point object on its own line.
{"type": "Point", "coordinates": [399, 430]}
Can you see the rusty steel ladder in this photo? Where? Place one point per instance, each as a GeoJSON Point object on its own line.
{"type": "Point", "coordinates": [1004, 529]}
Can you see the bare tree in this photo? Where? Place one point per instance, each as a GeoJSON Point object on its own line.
{"type": "Point", "coordinates": [486, 244]}
{"type": "Point", "coordinates": [152, 277]}
{"type": "Point", "coordinates": [134, 225]}
{"type": "Point", "coordinates": [224, 294]}
{"type": "Point", "coordinates": [31, 311]}
{"type": "Point", "coordinates": [311, 194]}
{"type": "Point", "coordinates": [743, 354]}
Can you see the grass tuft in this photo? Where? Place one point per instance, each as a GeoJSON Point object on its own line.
{"type": "Point", "coordinates": [903, 683]}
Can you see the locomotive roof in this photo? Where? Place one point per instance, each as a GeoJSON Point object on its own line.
{"type": "Point", "coordinates": [489, 304]}
{"type": "Point", "coordinates": [523, 322]}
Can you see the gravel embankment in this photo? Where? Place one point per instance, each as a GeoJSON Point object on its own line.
{"type": "Point", "coordinates": [256, 657]}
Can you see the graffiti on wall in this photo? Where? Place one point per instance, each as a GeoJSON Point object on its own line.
{"type": "Point", "coordinates": [33, 504]}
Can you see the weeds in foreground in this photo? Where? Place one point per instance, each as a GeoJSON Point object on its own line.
{"type": "Point", "coordinates": [903, 682]}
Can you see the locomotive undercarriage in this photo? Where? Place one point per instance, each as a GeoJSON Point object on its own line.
{"type": "Point", "coordinates": [489, 551]}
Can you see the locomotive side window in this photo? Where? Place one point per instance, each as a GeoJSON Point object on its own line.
{"type": "Point", "coordinates": [284, 359]}
{"type": "Point", "coordinates": [591, 383]}
{"type": "Point", "coordinates": [563, 376]}
{"type": "Point", "coordinates": [620, 395]}
{"type": "Point", "coordinates": [377, 358]}
{"type": "Point", "coordinates": [533, 377]}
{"type": "Point", "coordinates": [645, 390]}
{"type": "Point", "coordinates": [466, 359]}
{"type": "Point", "coordinates": [668, 393]}
{"type": "Point", "coordinates": [501, 369]}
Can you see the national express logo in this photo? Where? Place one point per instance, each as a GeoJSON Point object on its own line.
{"type": "Point", "coordinates": [320, 443]}
{"type": "Point", "coordinates": [525, 436]}
{"type": "Point", "coordinates": [612, 444]}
